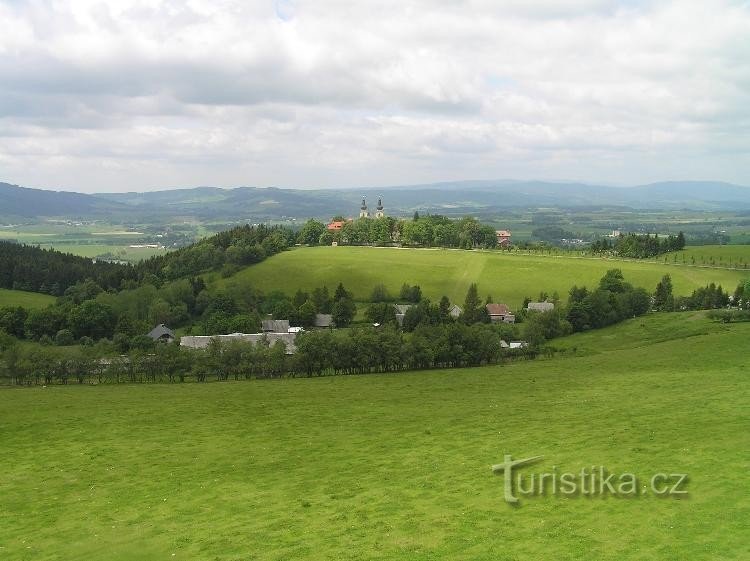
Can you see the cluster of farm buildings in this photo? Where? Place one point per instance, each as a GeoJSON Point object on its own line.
{"type": "Point", "coordinates": [274, 330]}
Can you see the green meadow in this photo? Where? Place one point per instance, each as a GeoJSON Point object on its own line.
{"type": "Point", "coordinates": [25, 299]}
{"type": "Point", "coordinates": [392, 466]}
{"type": "Point", "coordinates": [507, 277]}
{"type": "Point", "coordinates": [737, 255]}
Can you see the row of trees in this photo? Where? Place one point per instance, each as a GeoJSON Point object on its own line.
{"type": "Point", "coordinates": [640, 246]}
{"type": "Point", "coordinates": [356, 351]}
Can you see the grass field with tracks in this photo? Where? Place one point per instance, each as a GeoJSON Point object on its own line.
{"type": "Point", "coordinates": [507, 277]}
{"type": "Point", "coordinates": [25, 299]}
{"type": "Point", "coordinates": [391, 466]}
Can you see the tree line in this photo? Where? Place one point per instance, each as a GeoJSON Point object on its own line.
{"type": "Point", "coordinates": [640, 246]}
{"type": "Point", "coordinates": [423, 231]}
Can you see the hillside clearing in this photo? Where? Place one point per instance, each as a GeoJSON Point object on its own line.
{"type": "Point", "coordinates": [24, 299]}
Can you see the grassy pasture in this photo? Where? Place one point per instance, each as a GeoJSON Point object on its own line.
{"type": "Point", "coordinates": [721, 254]}
{"type": "Point", "coordinates": [25, 299]}
{"type": "Point", "coordinates": [389, 466]}
{"type": "Point", "coordinates": [508, 277]}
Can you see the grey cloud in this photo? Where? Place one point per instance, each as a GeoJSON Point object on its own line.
{"type": "Point", "coordinates": [334, 91]}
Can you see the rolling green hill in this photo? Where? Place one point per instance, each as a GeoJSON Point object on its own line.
{"type": "Point", "coordinates": [24, 299]}
{"type": "Point", "coordinates": [391, 466]}
{"type": "Point", "coordinates": [508, 277]}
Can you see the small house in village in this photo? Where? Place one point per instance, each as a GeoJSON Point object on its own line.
{"type": "Point", "coordinates": [275, 326]}
{"type": "Point", "coordinates": [455, 311]}
{"type": "Point", "coordinates": [162, 333]}
{"type": "Point", "coordinates": [335, 226]}
{"type": "Point", "coordinates": [500, 313]}
{"type": "Point", "coordinates": [503, 238]}
{"type": "Point", "coordinates": [540, 306]}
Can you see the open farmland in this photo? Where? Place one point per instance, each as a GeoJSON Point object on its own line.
{"type": "Point", "coordinates": [390, 466]}
{"type": "Point", "coordinates": [508, 277]}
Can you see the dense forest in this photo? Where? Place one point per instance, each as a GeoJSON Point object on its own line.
{"type": "Point", "coordinates": [25, 267]}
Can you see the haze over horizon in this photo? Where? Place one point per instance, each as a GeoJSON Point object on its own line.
{"type": "Point", "coordinates": [142, 96]}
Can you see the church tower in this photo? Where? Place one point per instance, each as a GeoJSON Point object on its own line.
{"type": "Point", "coordinates": [379, 210]}
{"type": "Point", "coordinates": [363, 213]}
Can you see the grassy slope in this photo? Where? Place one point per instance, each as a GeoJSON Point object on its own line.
{"type": "Point", "coordinates": [723, 252]}
{"type": "Point", "coordinates": [25, 299]}
{"type": "Point", "coordinates": [389, 466]}
{"type": "Point", "coordinates": [505, 276]}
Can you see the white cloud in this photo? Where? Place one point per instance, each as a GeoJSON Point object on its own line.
{"type": "Point", "coordinates": [147, 93]}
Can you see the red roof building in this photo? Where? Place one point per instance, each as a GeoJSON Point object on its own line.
{"type": "Point", "coordinates": [500, 313]}
{"type": "Point", "coordinates": [503, 237]}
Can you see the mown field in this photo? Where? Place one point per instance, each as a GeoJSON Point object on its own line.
{"type": "Point", "coordinates": [25, 299]}
{"type": "Point", "coordinates": [391, 466]}
{"type": "Point", "coordinates": [508, 277]}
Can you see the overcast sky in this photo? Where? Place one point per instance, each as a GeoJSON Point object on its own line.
{"type": "Point", "coordinates": [142, 95]}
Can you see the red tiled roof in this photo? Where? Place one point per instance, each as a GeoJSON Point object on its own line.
{"type": "Point", "coordinates": [502, 233]}
{"type": "Point", "coordinates": [336, 225]}
{"type": "Point", "coordinates": [498, 309]}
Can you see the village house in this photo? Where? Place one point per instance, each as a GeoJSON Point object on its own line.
{"type": "Point", "coordinates": [503, 238]}
{"type": "Point", "coordinates": [500, 313]}
{"type": "Point", "coordinates": [162, 334]}
{"type": "Point", "coordinates": [455, 311]}
{"type": "Point", "coordinates": [540, 306]}
{"type": "Point", "coordinates": [336, 225]}
{"type": "Point", "coordinates": [275, 325]}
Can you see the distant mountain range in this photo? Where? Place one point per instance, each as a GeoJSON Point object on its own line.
{"type": "Point", "coordinates": [461, 197]}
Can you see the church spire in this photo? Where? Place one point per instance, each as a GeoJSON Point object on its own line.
{"type": "Point", "coordinates": [379, 211]}
{"type": "Point", "coordinates": [363, 213]}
